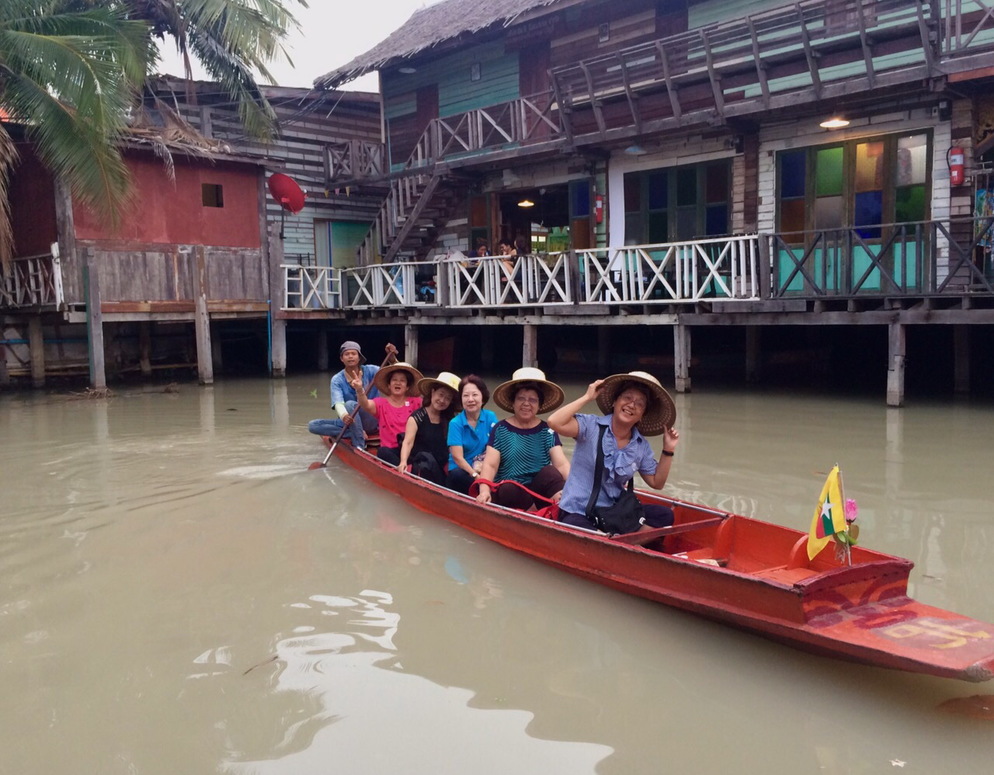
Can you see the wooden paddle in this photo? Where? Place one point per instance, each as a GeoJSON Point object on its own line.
{"type": "Point", "coordinates": [391, 356]}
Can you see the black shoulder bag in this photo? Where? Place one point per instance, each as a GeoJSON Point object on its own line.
{"type": "Point", "coordinates": [626, 514]}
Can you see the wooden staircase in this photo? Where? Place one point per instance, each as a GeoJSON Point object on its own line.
{"type": "Point", "coordinates": [406, 224]}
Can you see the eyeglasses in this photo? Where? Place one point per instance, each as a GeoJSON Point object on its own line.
{"type": "Point", "coordinates": [526, 400]}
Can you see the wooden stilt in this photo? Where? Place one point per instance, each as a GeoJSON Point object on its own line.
{"type": "Point", "coordinates": [603, 349]}
{"type": "Point", "coordinates": [36, 346]}
{"type": "Point", "coordinates": [411, 344]}
{"type": "Point", "coordinates": [217, 354]}
{"type": "Point", "coordinates": [278, 354]}
{"type": "Point", "coordinates": [322, 348]}
{"type": "Point", "coordinates": [753, 354]}
{"type": "Point", "coordinates": [681, 358]}
{"type": "Point", "coordinates": [896, 337]}
{"type": "Point", "coordinates": [145, 348]}
{"type": "Point", "coordinates": [94, 323]}
{"type": "Point", "coordinates": [202, 321]}
{"type": "Point", "coordinates": [529, 345]}
{"type": "Point", "coordinates": [4, 374]}
{"type": "Point", "coordinates": [961, 359]}
{"type": "Point", "coordinates": [487, 348]}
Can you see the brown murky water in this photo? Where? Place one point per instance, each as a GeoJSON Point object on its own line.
{"type": "Point", "coordinates": [178, 594]}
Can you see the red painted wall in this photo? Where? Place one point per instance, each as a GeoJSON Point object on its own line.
{"type": "Point", "coordinates": [32, 205]}
{"type": "Point", "coordinates": [172, 212]}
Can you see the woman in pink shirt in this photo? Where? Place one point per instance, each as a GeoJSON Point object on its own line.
{"type": "Point", "coordinates": [398, 399]}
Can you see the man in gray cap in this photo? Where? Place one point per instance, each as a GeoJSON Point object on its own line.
{"type": "Point", "coordinates": [343, 395]}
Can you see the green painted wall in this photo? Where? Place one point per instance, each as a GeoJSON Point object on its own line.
{"type": "Point", "coordinates": [714, 11]}
{"type": "Point", "coordinates": [457, 91]}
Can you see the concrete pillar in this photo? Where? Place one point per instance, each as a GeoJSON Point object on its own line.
{"type": "Point", "coordinates": [896, 339]}
{"type": "Point", "coordinates": [94, 323]}
{"type": "Point", "coordinates": [201, 318]}
{"type": "Point", "coordinates": [603, 350]}
{"type": "Point", "coordinates": [961, 359]}
{"type": "Point", "coordinates": [145, 348]}
{"type": "Point", "coordinates": [753, 354]}
{"type": "Point", "coordinates": [322, 349]}
{"type": "Point", "coordinates": [681, 358]}
{"type": "Point", "coordinates": [36, 346]}
{"type": "Point", "coordinates": [278, 354]}
{"type": "Point", "coordinates": [529, 347]}
{"type": "Point", "coordinates": [411, 344]}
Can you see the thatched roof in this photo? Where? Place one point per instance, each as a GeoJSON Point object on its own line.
{"type": "Point", "coordinates": [429, 27]}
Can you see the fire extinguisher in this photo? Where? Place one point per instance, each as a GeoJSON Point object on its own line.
{"type": "Point", "coordinates": [955, 160]}
{"type": "Point", "coordinates": [599, 208]}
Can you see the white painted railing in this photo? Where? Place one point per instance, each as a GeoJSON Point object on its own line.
{"type": "Point", "coordinates": [32, 281]}
{"type": "Point", "coordinates": [311, 287]}
{"type": "Point", "coordinates": [723, 268]}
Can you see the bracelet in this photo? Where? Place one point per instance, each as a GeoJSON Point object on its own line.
{"type": "Point", "coordinates": [668, 453]}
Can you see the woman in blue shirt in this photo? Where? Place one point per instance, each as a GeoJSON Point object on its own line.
{"type": "Point", "coordinates": [468, 434]}
{"type": "Point", "coordinates": [635, 405]}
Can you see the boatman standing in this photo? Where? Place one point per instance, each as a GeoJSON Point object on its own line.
{"type": "Point", "coordinates": [343, 395]}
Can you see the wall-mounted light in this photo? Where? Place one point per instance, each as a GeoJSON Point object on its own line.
{"type": "Point", "coordinates": [526, 202]}
{"type": "Point", "coordinates": [835, 122]}
{"type": "Point", "coordinates": [407, 70]}
{"type": "Point", "coordinates": [635, 150]}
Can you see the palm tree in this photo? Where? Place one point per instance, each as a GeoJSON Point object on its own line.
{"type": "Point", "coordinates": [69, 78]}
{"type": "Point", "coordinates": [232, 39]}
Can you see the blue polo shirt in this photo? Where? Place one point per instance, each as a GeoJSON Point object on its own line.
{"type": "Point", "coordinates": [620, 465]}
{"type": "Point", "coordinates": [342, 391]}
{"type": "Point", "coordinates": [472, 440]}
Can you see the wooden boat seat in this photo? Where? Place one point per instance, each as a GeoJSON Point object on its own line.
{"type": "Point", "coordinates": [643, 537]}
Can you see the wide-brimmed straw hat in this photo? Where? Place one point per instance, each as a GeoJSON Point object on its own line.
{"type": "Point", "coordinates": [552, 394]}
{"type": "Point", "coordinates": [659, 415]}
{"type": "Point", "coordinates": [382, 378]}
{"type": "Point", "coordinates": [445, 379]}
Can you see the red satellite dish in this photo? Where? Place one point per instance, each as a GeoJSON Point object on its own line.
{"type": "Point", "coordinates": [286, 191]}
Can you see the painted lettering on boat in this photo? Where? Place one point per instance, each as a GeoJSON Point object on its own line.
{"type": "Point", "coordinates": [938, 633]}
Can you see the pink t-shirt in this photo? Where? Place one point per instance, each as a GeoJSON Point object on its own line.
{"type": "Point", "coordinates": [393, 419]}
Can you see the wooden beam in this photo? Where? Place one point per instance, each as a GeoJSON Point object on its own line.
{"type": "Point", "coordinates": [529, 346]}
{"type": "Point", "coordinates": [145, 348]}
{"type": "Point", "coordinates": [277, 356]}
{"type": "Point", "coordinates": [411, 344]}
{"type": "Point", "coordinates": [681, 358]}
{"type": "Point", "coordinates": [671, 88]}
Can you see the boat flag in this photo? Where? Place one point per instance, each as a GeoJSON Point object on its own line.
{"type": "Point", "coordinates": [829, 517]}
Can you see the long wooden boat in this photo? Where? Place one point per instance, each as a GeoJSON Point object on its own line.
{"type": "Point", "coordinates": [734, 569]}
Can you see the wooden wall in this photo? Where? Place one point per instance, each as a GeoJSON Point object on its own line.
{"type": "Point", "coordinates": [31, 193]}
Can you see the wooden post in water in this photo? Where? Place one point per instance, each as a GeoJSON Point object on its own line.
{"type": "Point", "coordinates": [277, 325]}
{"type": "Point", "coordinates": [529, 345]}
{"type": "Point", "coordinates": [277, 332]}
{"type": "Point", "coordinates": [603, 349]}
{"type": "Point", "coordinates": [895, 364]}
{"type": "Point", "coordinates": [201, 318]}
{"type": "Point", "coordinates": [145, 348]}
{"type": "Point", "coordinates": [961, 360]}
{"type": "Point", "coordinates": [753, 357]}
{"type": "Point", "coordinates": [323, 359]}
{"type": "Point", "coordinates": [36, 345]}
{"type": "Point", "coordinates": [4, 374]}
{"type": "Point", "coordinates": [94, 322]}
{"type": "Point", "coordinates": [411, 344]}
{"type": "Point", "coordinates": [681, 358]}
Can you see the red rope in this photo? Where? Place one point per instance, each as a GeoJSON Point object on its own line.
{"type": "Point", "coordinates": [551, 511]}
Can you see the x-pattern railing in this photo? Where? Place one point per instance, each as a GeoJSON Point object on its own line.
{"type": "Point", "coordinates": [312, 287]}
{"type": "Point", "coordinates": [32, 281]}
{"type": "Point", "coordinates": [969, 25]}
{"type": "Point", "coordinates": [354, 159]}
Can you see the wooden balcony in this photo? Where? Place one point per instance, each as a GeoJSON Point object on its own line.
{"type": "Point", "coordinates": [32, 282]}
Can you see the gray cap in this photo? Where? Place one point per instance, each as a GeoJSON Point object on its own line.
{"type": "Point", "coordinates": [350, 345]}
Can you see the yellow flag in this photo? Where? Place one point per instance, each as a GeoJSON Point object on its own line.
{"type": "Point", "coordinates": [829, 517]}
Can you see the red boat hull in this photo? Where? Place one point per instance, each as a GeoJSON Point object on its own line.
{"type": "Point", "coordinates": [741, 571]}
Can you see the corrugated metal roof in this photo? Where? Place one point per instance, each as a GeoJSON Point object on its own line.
{"type": "Point", "coordinates": [430, 26]}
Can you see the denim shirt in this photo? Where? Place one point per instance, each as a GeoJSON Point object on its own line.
{"type": "Point", "coordinates": [342, 391]}
{"type": "Point", "coordinates": [620, 465]}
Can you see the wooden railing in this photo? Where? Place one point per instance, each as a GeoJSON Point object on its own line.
{"type": "Point", "coordinates": [354, 160]}
{"type": "Point", "coordinates": [753, 59]}
{"type": "Point", "coordinates": [908, 259]}
{"type": "Point", "coordinates": [32, 281]}
{"type": "Point", "coordinates": [968, 25]}
{"type": "Point", "coordinates": [311, 287]}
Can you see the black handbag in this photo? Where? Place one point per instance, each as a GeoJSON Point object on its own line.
{"type": "Point", "coordinates": [625, 515]}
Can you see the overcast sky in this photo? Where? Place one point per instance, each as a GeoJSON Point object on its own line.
{"type": "Point", "coordinates": [332, 33]}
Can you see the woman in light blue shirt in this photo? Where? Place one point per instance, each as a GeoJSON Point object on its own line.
{"type": "Point", "coordinates": [468, 434]}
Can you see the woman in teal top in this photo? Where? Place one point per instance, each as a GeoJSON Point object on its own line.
{"type": "Point", "coordinates": [468, 434]}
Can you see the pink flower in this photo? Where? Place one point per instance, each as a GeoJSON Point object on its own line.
{"type": "Point", "coordinates": [852, 510]}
